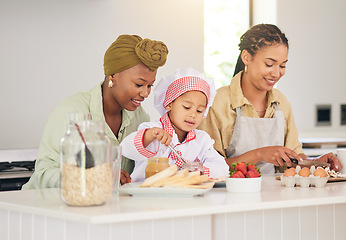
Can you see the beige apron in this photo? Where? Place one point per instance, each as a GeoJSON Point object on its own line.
{"type": "Point", "coordinates": [251, 133]}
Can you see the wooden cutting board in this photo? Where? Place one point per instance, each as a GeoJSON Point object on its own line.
{"type": "Point", "coordinates": [334, 179]}
{"type": "Point", "coordinates": [331, 179]}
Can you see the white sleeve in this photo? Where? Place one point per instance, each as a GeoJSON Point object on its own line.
{"type": "Point", "coordinates": [212, 159]}
{"type": "Point", "coordinates": [129, 149]}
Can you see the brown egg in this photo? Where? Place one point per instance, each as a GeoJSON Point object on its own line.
{"type": "Point", "coordinates": [304, 172]}
{"type": "Point", "coordinates": [290, 172]}
{"type": "Point", "coordinates": [320, 172]}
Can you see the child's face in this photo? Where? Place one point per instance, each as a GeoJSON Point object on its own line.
{"type": "Point", "coordinates": [186, 112]}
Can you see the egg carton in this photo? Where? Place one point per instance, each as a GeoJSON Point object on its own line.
{"type": "Point", "coordinates": [310, 181]}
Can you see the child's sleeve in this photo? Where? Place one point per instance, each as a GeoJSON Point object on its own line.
{"type": "Point", "coordinates": [132, 145]}
{"type": "Point", "coordinates": [212, 159]}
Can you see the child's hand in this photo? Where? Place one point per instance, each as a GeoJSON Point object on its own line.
{"type": "Point", "coordinates": [161, 135]}
{"type": "Point", "coordinates": [156, 133]}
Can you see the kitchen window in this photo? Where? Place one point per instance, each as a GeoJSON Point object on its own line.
{"type": "Point", "coordinates": [224, 22]}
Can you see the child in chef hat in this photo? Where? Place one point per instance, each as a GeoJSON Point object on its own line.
{"type": "Point", "coordinates": [183, 101]}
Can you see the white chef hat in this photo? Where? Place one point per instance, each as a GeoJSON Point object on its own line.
{"type": "Point", "coordinates": [184, 80]}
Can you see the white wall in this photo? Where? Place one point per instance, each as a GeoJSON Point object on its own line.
{"type": "Point", "coordinates": [315, 74]}
{"type": "Point", "coordinates": [264, 11]}
{"type": "Point", "coordinates": [50, 49]}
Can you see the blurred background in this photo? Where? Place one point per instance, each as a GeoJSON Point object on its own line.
{"type": "Point", "coordinates": [51, 49]}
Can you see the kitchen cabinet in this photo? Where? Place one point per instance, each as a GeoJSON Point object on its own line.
{"type": "Point", "coordinates": [277, 212]}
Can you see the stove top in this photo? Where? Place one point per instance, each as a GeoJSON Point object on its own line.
{"type": "Point", "coordinates": [17, 166]}
{"type": "Point", "coordinates": [14, 174]}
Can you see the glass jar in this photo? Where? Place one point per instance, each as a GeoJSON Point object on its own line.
{"type": "Point", "coordinates": [86, 167]}
{"type": "Point", "coordinates": [194, 166]}
{"type": "Point", "coordinates": [155, 165]}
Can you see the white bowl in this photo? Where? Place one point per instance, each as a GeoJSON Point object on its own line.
{"type": "Point", "coordinates": [243, 185]}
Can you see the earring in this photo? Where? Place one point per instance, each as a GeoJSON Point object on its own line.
{"type": "Point", "coordinates": [245, 69]}
{"type": "Point", "coordinates": [110, 84]}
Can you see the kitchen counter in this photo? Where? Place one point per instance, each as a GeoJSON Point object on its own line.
{"type": "Point", "coordinates": [276, 212]}
{"type": "Point", "coordinates": [323, 142]}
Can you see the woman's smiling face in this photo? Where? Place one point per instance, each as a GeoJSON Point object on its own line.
{"type": "Point", "coordinates": [132, 86]}
{"type": "Point", "coordinates": [267, 66]}
{"type": "Point", "coordinates": [186, 112]}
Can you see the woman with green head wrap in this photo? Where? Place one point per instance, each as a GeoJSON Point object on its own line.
{"type": "Point", "coordinates": [130, 66]}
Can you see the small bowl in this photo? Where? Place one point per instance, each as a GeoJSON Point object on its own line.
{"type": "Point", "coordinates": [194, 166]}
{"type": "Point", "coordinates": [243, 185]}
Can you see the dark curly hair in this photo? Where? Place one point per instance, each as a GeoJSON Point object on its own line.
{"type": "Point", "coordinates": [257, 37]}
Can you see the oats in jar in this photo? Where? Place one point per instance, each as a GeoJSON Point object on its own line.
{"type": "Point", "coordinates": [86, 187]}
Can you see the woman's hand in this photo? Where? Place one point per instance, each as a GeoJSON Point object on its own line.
{"type": "Point", "coordinates": [156, 133]}
{"type": "Point", "coordinates": [330, 158]}
{"type": "Point", "coordinates": [124, 177]}
{"type": "Point", "coordinates": [277, 155]}
{"type": "Point", "coordinates": [271, 154]}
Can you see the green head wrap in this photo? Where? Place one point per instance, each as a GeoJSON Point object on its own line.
{"type": "Point", "coordinates": [130, 50]}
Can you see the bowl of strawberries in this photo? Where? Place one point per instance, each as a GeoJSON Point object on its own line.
{"type": "Point", "coordinates": [244, 178]}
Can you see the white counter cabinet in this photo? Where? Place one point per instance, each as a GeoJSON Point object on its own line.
{"type": "Point", "coordinates": [276, 213]}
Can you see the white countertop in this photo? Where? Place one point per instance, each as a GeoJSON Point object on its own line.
{"type": "Point", "coordinates": [123, 208]}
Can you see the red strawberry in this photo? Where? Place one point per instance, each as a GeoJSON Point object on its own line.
{"type": "Point", "coordinates": [238, 174]}
{"type": "Point", "coordinates": [241, 167]}
{"type": "Point", "coordinates": [231, 172]}
{"type": "Point", "coordinates": [253, 174]}
{"type": "Point", "coordinates": [251, 166]}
